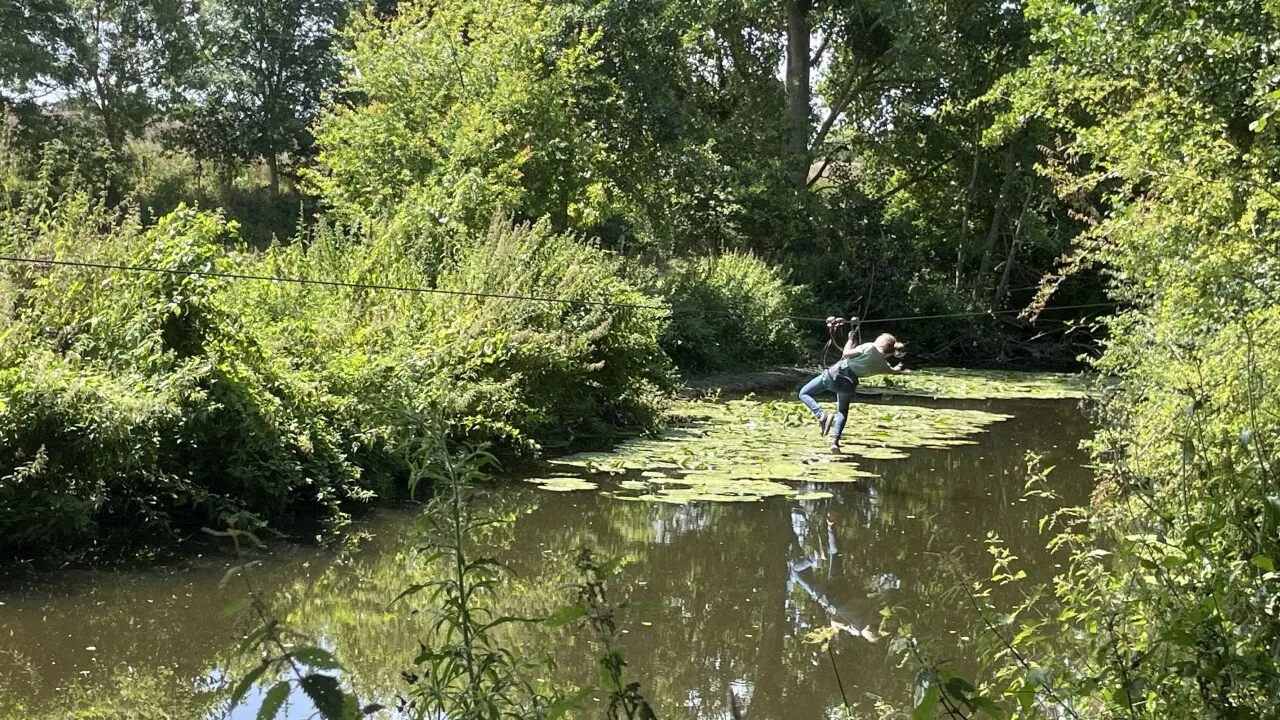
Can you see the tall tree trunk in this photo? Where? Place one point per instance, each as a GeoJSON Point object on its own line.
{"type": "Point", "coordinates": [968, 202]}
{"type": "Point", "coordinates": [1013, 252]}
{"type": "Point", "coordinates": [273, 173]}
{"type": "Point", "coordinates": [798, 90]}
{"type": "Point", "coordinates": [997, 218]}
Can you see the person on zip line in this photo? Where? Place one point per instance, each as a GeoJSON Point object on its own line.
{"type": "Point", "coordinates": [856, 362]}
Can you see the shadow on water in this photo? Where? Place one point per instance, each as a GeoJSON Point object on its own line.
{"type": "Point", "coordinates": [720, 595]}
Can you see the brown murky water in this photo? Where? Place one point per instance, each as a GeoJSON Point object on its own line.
{"type": "Point", "coordinates": [719, 596]}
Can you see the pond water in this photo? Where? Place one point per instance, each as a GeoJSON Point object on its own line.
{"type": "Point", "coordinates": [720, 595]}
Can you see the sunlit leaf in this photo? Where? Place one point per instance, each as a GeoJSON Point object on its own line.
{"type": "Point", "coordinates": [317, 658]}
{"type": "Point", "coordinates": [246, 682]}
{"type": "Point", "coordinates": [565, 615]}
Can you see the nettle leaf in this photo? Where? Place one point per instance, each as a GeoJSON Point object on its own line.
{"type": "Point", "coordinates": [565, 615]}
{"type": "Point", "coordinates": [927, 704]}
{"type": "Point", "coordinates": [567, 703]}
{"type": "Point", "coordinates": [246, 682]}
{"type": "Point", "coordinates": [234, 607]}
{"type": "Point", "coordinates": [327, 695]}
{"type": "Point", "coordinates": [987, 707]}
{"type": "Point", "coordinates": [317, 658]}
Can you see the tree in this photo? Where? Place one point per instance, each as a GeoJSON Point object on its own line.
{"type": "Point", "coordinates": [30, 33]}
{"type": "Point", "coordinates": [799, 110]}
{"type": "Point", "coordinates": [120, 60]}
{"type": "Point", "coordinates": [270, 63]}
{"type": "Point", "coordinates": [471, 107]}
{"type": "Point", "coordinates": [1166, 150]}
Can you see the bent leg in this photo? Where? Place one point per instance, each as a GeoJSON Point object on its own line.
{"type": "Point", "coordinates": [806, 395]}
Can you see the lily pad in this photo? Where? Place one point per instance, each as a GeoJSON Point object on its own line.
{"type": "Point", "coordinates": [979, 385]}
{"type": "Point", "coordinates": [879, 453]}
{"type": "Point", "coordinates": [747, 450]}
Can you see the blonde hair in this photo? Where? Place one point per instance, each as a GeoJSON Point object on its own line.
{"type": "Point", "coordinates": [887, 339]}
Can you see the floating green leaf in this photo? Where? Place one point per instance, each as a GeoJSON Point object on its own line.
{"type": "Point", "coordinates": [748, 450]}
{"type": "Point", "coordinates": [813, 496]}
{"type": "Point", "coordinates": [979, 385]}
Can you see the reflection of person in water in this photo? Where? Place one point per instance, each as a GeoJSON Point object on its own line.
{"type": "Point", "coordinates": [817, 570]}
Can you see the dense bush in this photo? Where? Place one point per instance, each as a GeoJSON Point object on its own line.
{"type": "Point", "coordinates": [467, 126]}
{"type": "Point", "coordinates": [731, 311]}
{"type": "Point", "coordinates": [1168, 605]}
{"type": "Point", "coordinates": [154, 403]}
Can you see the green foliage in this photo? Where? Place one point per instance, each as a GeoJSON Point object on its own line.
{"type": "Point", "coordinates": [625, 700]}
{"type": "Point", "coordinates": [118, 58]}
{"type": "Point", "coordinates": [30, 32]}
{"type": "Point", "coordinates": [151, 694]}
{"type": "Point", "coordinates": [1167, 607]}
{"type": "Point", "coordinates": [260, 90]}
{"type": "Point", "coordinates": [285, 658]}
{"type": "Point", "coordinates": [659, 126]}
{"type": "Point", "coordinates": [463, 671]}
{"type": "Point", "coordinates": [157, 180]}
{"type": "Point", "coordinates": [470, 108]}
{"type": "Point", "coordinates": [466, 665]}
{"type": "Point", "coordinates": [730, 311]}
{"type": "Point", "coordinates": [147, 403]}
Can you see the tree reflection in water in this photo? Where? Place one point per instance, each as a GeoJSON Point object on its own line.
{"type": "Point", "coordinates": [720, 595]}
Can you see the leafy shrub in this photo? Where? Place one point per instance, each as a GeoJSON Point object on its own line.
{"type": "Point", "coordinates": [137, 400]}
{"type": "Point", "coordinates": [729, 311]}
{"type": "Point", "coordinates": [153, 403]}
{"type": "Point", "coordinates": [471, 108]}
{"type": "Point", "coordinates": [1167, 607]}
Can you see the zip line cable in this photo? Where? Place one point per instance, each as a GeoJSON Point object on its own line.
{"type": "Point", "coordinates": [983, 312]}
{"type": "Point", "coordinates": [472, 293]}
{"type": "Point", "coordinates": [326, 283]}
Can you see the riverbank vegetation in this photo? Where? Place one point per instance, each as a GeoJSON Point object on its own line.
{"type": "Point", "coordinates": [1167, 149]}
{"type": "Point", "coordinates": [602, 195]}
{"type": "Point", "coordinates": [635, 167]}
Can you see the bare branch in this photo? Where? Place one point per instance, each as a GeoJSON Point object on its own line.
{"type": "Point", "coordinates": [822, 47]}
{"type": "Point", "coordinates": [853, 84]}
{"type": "Point", "coordinates": [826, 160]}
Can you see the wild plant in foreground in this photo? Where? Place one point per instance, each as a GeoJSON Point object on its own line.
{"type": "Point", "coordinates": [625, 700]}
{"type": "Point", "coordinates": [291, 658]}
{"type": "Point", "coordinates": [463, 671]}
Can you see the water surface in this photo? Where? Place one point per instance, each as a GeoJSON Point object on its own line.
{"type": "Point", "coordinates": [720, 596]}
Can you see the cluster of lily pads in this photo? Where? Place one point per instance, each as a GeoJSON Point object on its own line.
{"type": "Point", "coordinates": [979, 385]}
{"type": "Point", "coordinates": [747, 450]}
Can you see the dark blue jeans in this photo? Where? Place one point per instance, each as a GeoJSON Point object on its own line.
{"type": "Point", "coordinates": [843, 388]}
